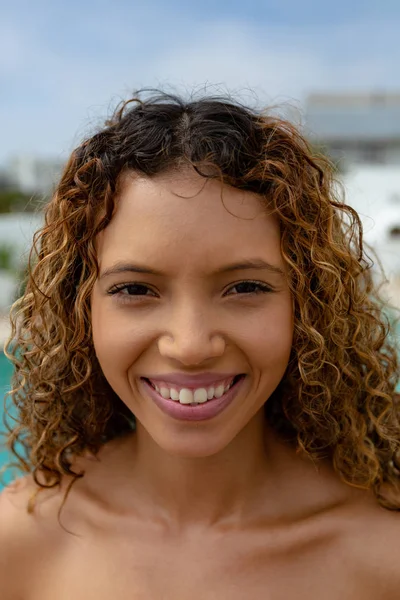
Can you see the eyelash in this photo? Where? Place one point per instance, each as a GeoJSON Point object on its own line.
{"type": "Point", "coordinates": [263, 288]}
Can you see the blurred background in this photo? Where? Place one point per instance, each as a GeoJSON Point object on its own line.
{"type": "Point", "coordinates": [332, 68]}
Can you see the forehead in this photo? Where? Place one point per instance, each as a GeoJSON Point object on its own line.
{"type": "Point", "coordinates": [182, 216]}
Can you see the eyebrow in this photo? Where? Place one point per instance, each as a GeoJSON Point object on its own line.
{"type": "Point", "coordinates": [247, 264]}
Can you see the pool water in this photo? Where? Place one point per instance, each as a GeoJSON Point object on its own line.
{"type": "Point", "coordinates": [5, 376]}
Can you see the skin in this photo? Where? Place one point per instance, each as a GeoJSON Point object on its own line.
{"type": "Point", "coordinates": [214, 509]}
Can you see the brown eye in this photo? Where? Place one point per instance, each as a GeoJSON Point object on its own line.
{"type": "Point", "coordinates": [251, 288]}
{"type": "Point", "coordinates": [131, 289]}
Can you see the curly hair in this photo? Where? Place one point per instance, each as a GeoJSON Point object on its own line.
{"type": "Point", "coordinates": [337, 399]}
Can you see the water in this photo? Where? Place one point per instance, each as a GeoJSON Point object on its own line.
{"type": "Point", "coordinates": [5, 375]}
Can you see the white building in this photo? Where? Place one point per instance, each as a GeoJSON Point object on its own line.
{"type": "Point", "coordinates": [374, 191]}
{"type": "Point", "coordinates": [16, 232]}
{"type": "Point", "coordinates": [356, 128]}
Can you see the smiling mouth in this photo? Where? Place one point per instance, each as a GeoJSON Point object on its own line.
{"type": "Point", "coordinates": [194, 397]}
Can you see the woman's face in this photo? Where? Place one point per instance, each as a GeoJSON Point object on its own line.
{"type": "Point", "coordinates": [192, 293]}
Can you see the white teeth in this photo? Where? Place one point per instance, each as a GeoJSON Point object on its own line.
{"type": "Point", "coordinates": [197, 396]}
{"type": "Point", "coordinates": [200, 395]}
{"type": "Point", "coordinates": [186, 396]}
{"type": "Point", "coordinates": [219, 391]}
{"type": "Point", "coordinates": [174, 394]}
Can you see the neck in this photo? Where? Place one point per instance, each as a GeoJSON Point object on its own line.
{"type": "Point", "coordinates": [256, 478]}
{"type": "Point", "coordinates": [207, 490]}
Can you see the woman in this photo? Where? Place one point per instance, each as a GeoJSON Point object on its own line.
{"type": "Point", "coordinates": [205, 380]}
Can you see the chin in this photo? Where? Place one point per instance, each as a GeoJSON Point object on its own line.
{"type": "Point", "coordinates": [191, 445]}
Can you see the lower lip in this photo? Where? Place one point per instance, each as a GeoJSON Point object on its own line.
{"type": "Point", "coordinates": [200, 412]}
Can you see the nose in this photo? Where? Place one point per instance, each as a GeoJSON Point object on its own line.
{"type": "Point", "coordinates": [191, 339]}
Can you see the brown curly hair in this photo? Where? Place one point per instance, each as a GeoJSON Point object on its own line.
{"type": "Point", "coordinates": [337, 398]}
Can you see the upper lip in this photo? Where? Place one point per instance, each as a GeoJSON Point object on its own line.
{"type": "Point", "coordinates": [192, 381]}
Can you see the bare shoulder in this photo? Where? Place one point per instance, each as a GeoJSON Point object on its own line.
{"type": "Point", "coordinates": [22, 537]}
{"type": "Point", "coordinates": [373, 535]}
{"type": "Point", "coordinates": [15, 534]}
{"type": "Point", "coordinates": [14, 502]}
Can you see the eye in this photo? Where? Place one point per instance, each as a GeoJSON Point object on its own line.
{"type": "Point", "coordinates": [130, 289]}
{"type": "Point", "coordinates": [251, 288]}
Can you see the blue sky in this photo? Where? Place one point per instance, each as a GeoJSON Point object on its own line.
{"type": "Point", "coordinates": [64, 66]}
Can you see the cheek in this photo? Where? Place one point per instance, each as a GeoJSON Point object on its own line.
{"type": "Point", "coordinates": [117, 341]}
{"type": "Point", "coordinates": [272, 339]}
{"type": "Point", "coordinates": [117, 348]}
